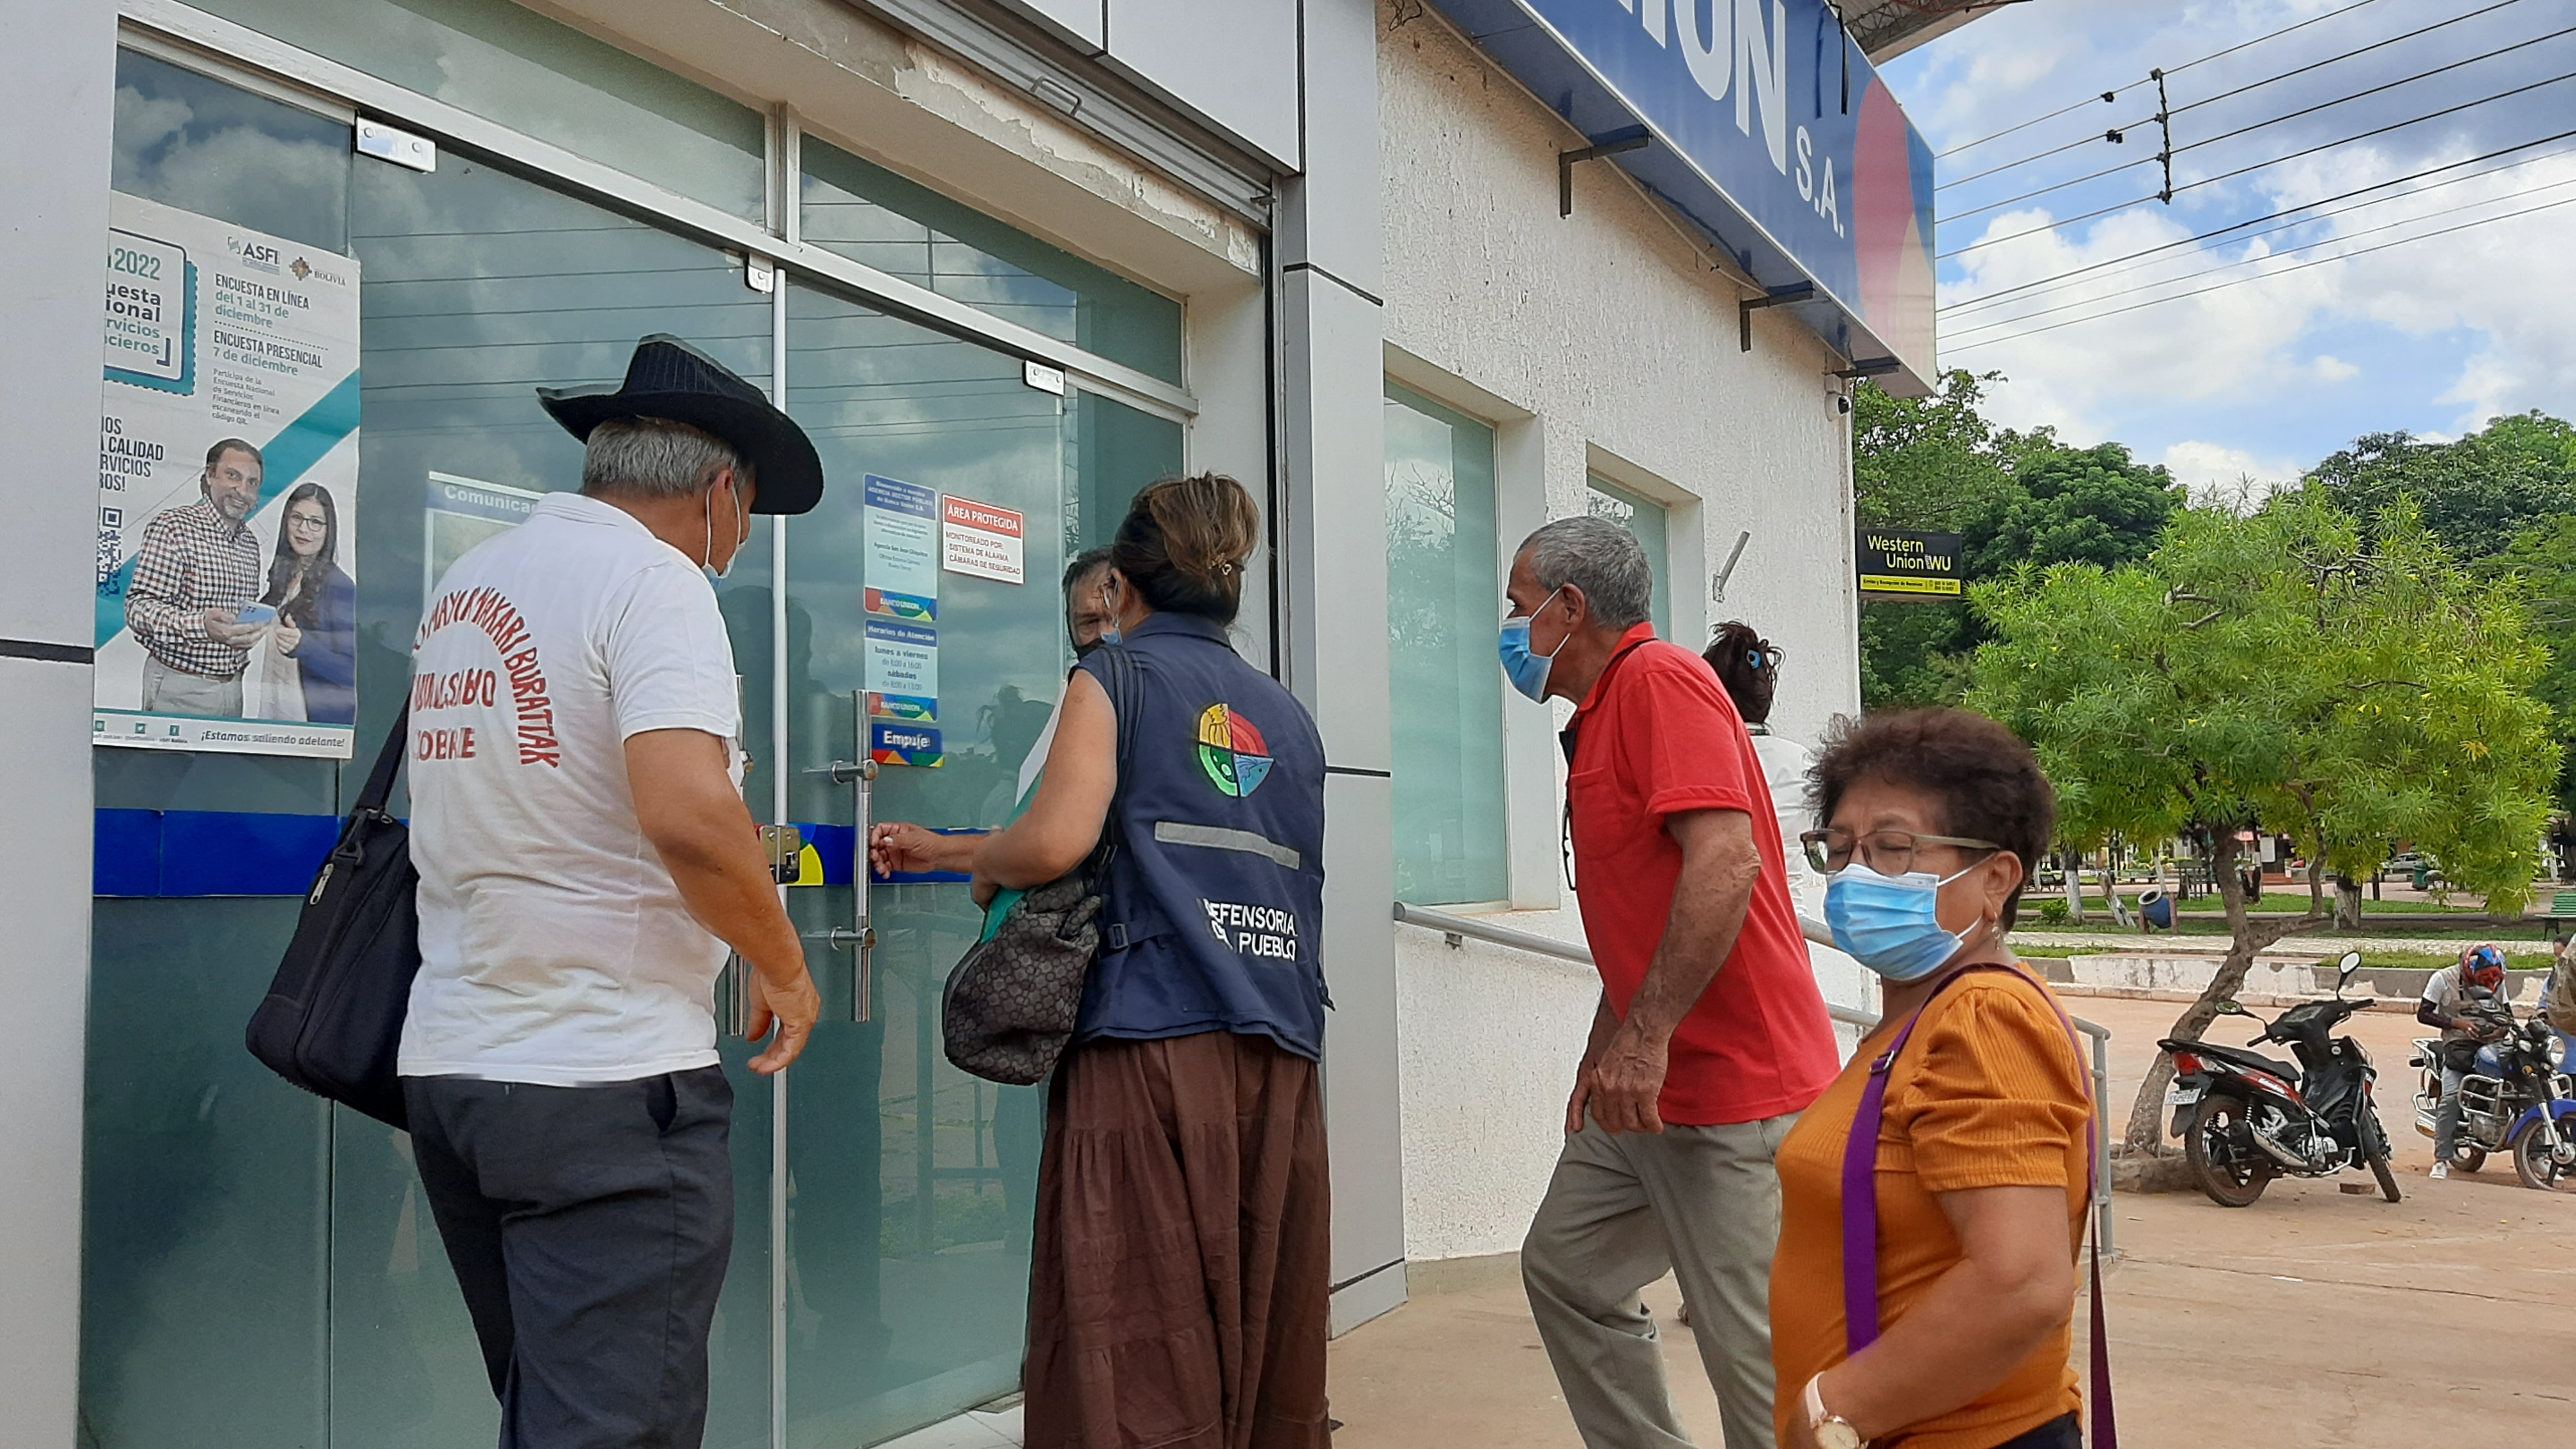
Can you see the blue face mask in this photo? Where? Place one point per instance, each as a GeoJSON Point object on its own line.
{"type": "Point", "coordinates": [1527, 671]}
{"type": "Point", "coordinates": [1891, 924]}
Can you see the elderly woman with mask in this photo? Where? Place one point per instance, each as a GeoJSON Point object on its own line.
{"type": "Point", "coordinates": [1932, 1198]}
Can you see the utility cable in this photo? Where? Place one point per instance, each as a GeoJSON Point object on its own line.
{"type": "Point", "coordinates": [2294, 213]}
{"type": "Point", "coordinates": [2374, 90]}
{"type": "Point", "coordinates": [2229, 175]}
{"type": "Point", "coordinates": [1985, 299]}
{"type": "Point", "coordinates": [2285, 271]}
{"type": "Point", "coordinates": [2257, 261]}
{"type": "Point", "coordinates": [2167, 196]}
{"type": "Point", "coordinates": [2116, 134]}
{"type": "Point", "coordinates": [2347, 55]}
{"type": "Point", "coordinates": [2133, 85]}
{"type": "Point", "coordinates": [2113, 135]}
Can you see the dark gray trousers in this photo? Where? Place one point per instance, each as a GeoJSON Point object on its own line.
{"type": "Point", "coordinates": [589, 1228]}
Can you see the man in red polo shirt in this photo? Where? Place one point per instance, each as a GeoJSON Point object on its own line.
{"type": "Point", "coordinates": [1711, 1035]}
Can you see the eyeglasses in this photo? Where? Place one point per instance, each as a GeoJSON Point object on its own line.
{"type": "Point", "coordinates": [1889, 852]}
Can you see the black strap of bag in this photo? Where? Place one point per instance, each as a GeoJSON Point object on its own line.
{"type": "Point", "coordinates": [1012, 1002]}
{"type": "Point", "coordinates": [332, 1020]}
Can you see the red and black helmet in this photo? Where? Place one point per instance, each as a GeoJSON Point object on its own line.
{"type": "Point", "coordinates": [2483, 966]}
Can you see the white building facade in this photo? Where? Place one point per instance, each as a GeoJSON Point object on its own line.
{"type": "Point", "coordinates": [1026, 254]}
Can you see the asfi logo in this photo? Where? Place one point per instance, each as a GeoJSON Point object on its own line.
{"type": "Point", "coordinates": [1232, 751]}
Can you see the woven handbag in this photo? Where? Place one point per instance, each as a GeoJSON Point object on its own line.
{"type": "Point", "coordinates": [1010, 1006]}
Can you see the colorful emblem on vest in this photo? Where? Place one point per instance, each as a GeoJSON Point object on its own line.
{"type": "Point", "coordinates": [1232, 751]}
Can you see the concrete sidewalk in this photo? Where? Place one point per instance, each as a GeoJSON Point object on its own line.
{"type": "Point", "coordinates": [2312, 1318]}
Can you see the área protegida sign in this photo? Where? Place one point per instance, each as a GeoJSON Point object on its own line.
{"type": "Point", "coordinates": [1898, 564]}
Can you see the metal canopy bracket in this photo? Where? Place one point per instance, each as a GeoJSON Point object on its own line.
{"type": "Point", "coordinates": [1776, 296]}
{"type": "Point", "coordinates": [1868, 367]}
{"type": "Point", "coordinates": [1635, 138]}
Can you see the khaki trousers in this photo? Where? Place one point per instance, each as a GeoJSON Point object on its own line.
{"type": "Point", "coordinates": [171, 691]}
{"type": "Point", "coordinates": [1702, 1203]}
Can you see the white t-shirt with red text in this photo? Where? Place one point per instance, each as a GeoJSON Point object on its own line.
{"type": "Point", "coordinates": [555, 948]}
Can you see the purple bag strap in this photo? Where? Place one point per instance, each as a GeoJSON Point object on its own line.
{"type": "Point", "coordinates": [1860, 1208]}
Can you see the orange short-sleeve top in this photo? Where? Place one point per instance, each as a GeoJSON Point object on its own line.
{"type": "Point", "coordinates": [1989, 1093]}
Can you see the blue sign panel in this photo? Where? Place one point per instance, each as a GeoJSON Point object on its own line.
{"type": "Point", "coordinates": [1767, 126]}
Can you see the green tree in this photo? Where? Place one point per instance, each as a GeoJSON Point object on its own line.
{"type": "Point", "coordinates": [2543, 558]}
{"type": "Point", "coordinates": [2477, 494]}
{"type": "Point", "coordinates": [1929, 463]}
{"type": "Point", "coordinates": [2289, 670]}
{"type": "Point", "coordinates": [2092, 505]}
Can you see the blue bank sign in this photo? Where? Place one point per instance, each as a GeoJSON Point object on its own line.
{"type": "Point", "coordinates": [1767, 127]}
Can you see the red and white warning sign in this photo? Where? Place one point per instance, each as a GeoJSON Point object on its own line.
{"type": "Point", "coordinates": [980, 540]}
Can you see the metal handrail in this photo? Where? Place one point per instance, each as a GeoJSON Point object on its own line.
{"type": "Point", "coordinates": [1456, 927]}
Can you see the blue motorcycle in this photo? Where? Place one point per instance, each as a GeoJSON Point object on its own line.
{"type": "Point", "coordinates": [2517, 1096]}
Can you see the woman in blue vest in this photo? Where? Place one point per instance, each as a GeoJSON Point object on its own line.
{"type": "Point", "coordinates": [1179, 1291]}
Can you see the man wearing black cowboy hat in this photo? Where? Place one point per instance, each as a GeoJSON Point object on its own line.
{"type": "Point", "coordinates": [585, 862]}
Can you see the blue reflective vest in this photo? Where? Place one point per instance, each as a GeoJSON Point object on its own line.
{"type": "Point", "coordinates": [1213, 914]}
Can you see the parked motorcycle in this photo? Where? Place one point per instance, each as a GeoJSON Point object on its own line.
{"type": "Point", "coordinates": [2245, 1119]}
{"type": "Point", "coordinates": [2516, 1097]}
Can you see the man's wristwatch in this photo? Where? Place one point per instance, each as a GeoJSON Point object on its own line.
{"type": "Point", "coordinates": [1830, 1431]}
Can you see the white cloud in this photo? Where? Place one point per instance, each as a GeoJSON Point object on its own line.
{"type": "Point", "coordinates": [2217, 472]}
{"type": "Point", "coordinates": [2448, 330]}
{"type": "Point", "coordinates": [2239, 308]}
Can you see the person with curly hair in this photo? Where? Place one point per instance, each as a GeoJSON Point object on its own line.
{"type": "Point", "coordinates": [1933, 1197]}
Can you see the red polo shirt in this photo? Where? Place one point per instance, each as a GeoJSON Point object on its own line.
{"type": "Point", "coordinates": [1658, 736]}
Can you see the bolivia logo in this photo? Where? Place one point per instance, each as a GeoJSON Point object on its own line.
{"type": "Point", "coordinates": [1232, 751]}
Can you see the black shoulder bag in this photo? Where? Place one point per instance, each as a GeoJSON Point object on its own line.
{"type": "Point", "coordinates": [333, 1018]}
{"type": "Point", "coordinates": [1011, 1003]}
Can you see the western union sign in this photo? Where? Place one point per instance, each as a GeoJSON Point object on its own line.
{"type": "Point", "coordinates": [1895, 564]}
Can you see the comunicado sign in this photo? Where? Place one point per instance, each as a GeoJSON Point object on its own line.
{"type": "Point", "coordinates": [1766, 125]}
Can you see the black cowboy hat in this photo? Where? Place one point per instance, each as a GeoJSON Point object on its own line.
{"type": "Point", "coordinates": [669, 379]}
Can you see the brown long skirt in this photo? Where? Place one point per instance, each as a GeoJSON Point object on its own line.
{"type": "Point", "coordinates": [1181, 1288]}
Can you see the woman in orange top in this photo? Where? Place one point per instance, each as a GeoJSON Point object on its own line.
{"type": "Point", "coordinates": [1931, 820]}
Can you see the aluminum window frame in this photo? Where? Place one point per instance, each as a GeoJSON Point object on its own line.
{"type": "Point", "coordinates": [155, 24]}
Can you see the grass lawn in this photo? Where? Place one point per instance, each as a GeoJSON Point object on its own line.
{"type": "Point", "coordinates": [2396, 960]}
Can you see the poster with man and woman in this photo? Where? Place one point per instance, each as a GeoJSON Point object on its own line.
{"type": "Point", "coordinates": [227, 489]}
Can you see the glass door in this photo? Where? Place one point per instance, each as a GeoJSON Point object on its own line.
{"type": "Point", "coordinates": [908, 1182]}
{"type": "Point", "coordinates": [914, 642]}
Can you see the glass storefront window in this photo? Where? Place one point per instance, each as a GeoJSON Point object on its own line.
{"type": "Point", "coordinates": [1444, 595]}
{"type": "Point", "coordinates": [261, 1267]}
{"type": "Point", "coordinates": [1646, 519]}
{"type": "Point", "coordinates": [505, 63]}
{"type": "Point", "coordinates": [873, 216]}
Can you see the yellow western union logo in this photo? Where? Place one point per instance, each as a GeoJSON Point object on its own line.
{"type": "Point", "coordinates": [1906, 584]}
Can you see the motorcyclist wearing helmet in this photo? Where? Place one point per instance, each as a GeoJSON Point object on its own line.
{"type": "Point", "coordinates": [2446, 1007]}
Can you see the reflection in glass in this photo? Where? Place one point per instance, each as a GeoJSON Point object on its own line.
{"type": "Point", "coordinates": [203, 1297]}
{"type": "Point", "coordinates": [1443, 597]}
{"type": "Point", "coordinates": [203, 146]}
{"type": "Point", "coordinates": [871, 215]}
{"type": "Point", "coordinates": [1644, 518]}
{"type": "Point", "coordinates": [506, 63]}
{"type": "Point", "coordinates": [480, 287]}
{"type": "Point", "coordinates": [910, 1182]}
{"type": "Point", "coordinates": [203, 1286]}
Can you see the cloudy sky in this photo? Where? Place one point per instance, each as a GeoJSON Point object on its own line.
{"type": "Point", "coordinates": [2323, 338]}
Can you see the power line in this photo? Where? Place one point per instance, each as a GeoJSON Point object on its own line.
{"type": "Point", "coordinates": [2266, 276]}
{"type": "Point", "coordinates": [1985, 299]}
{"type": "Point", "coordinates": [2257, 261]}
{"type": "Point", "coordinates": [2119, 130]}
{"type": "Point", "coordinates": [2115, 133]}
{"type": "Point", "coordinates": [2239, 171]}
{"type": "Point", "coordinates": [2347, 55]}
{"type": "Point", "coordinates": [2374, 90]}
{"type": "Point", "coordinates": [2133, 85]}
{"type": "Point", "coordinates": [2258, 125]}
